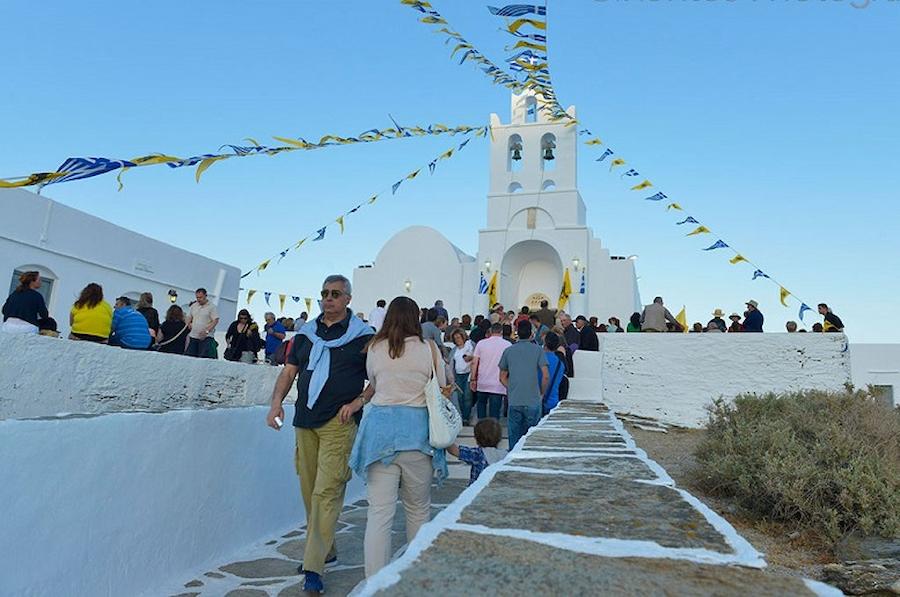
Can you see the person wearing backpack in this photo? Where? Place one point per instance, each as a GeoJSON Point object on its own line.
{"type": "Point", "coordinates": [557, 368]}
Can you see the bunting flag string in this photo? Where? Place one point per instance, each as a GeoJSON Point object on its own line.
{"type": "Point", "coordinates": [534, 65]}
{"type": "Point", "coordinates": [282, 298]}
{"type": "Point", "coordinates": [87, 167]}
{"type": "Point", "coordinates": [700, 229]}
{"type": "Point", "coordinates": [341, 220]}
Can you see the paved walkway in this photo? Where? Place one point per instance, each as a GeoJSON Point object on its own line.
{"type": "Point", "coordinates": [580, 510]}
{"type": "Point", "coordinates": [271, 570]}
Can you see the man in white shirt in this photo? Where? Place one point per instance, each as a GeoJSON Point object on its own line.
{"type": "Point", "coordinates": [202, 319]}
{"type": "Point", "coordinates": [376, 317]}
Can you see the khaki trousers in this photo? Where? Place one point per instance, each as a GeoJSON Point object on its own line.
{"type": "Point", "coordinates": [410, 472]}
{"type": "Point", "coordinates": [321, 458]}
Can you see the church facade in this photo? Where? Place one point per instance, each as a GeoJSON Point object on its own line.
{"type": "Point", "coordinates": [535, 234]}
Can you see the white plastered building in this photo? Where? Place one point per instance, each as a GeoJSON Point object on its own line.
{"type": "Point", "coordinates": [71, 248]}
{"type": "Point", "coordinates": [536, 230]}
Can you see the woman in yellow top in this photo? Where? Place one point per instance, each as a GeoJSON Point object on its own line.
{"type": "Point", "coordinates": [91, 316]}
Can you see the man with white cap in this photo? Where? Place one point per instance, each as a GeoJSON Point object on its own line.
{"type": "Point", "coordinates": [753, 317]}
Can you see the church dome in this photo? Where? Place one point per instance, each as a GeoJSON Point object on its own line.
{"type": "Point", "coordinates": [412, 241]}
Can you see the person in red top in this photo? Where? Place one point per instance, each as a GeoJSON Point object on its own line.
{"type": "Point", "coordinates": [735, 323]}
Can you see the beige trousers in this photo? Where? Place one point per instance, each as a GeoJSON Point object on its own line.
{"type": "Point", "coordinates": [321, 458]}
{"type": "Point", "coordinates": [410, 473]}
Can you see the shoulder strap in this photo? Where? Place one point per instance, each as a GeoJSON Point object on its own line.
{"type": "Point", "coordinates": [553, 376]}
{"type": "Point", "coordinates": [433, 347]}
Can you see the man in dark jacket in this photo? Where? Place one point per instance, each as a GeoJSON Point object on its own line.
{"type": "Point", "coordinates": [832, 323]}
{"type": "Point", "coordinates": [588, 340]}
{"type": "Point", "coordinates": [753, 317]}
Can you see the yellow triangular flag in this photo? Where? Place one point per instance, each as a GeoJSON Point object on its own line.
{"type": "Point", "coordinates": [340, 222]}
{"type": "Point", "coordinates": [250, 294]}
{"type": "Point", "coordinates": [492, 290]}
{"type": "Point", "coordinates": [281, 298]}
{"type": "Point", "coordinates": [594, 141]}
{"type": "Point", "coordinates": [263, 265]}
{"type": "Point", "coordinates": [681, 318]}
{"type": "Point", "coordinates": [201, 168]}
{"type": "Point", "coordinates": [372, 200]}
{"type": "Point", "coordinates": [616, 162]}
{"type": "Point", "coordinates": [643, 185]}
{"type": "Point", "coordinates": [698, 230]}
{"type": "Point", "coordinates": [412, 175]}
{"type": "Point", "coordinates": [300, 242]}
{"type": "Point", "coordinates": [673, 206]}
{"type": "Point", "coordinates": [308, 302]}
{"type": "Point", "coordinates": [737, 259]}
{"type": "Point", "coordinates": [783, 294]}
{"type": "Point", "coordinates": [565, 291]}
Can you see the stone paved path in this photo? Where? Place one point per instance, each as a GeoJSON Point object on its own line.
{"type": "Point", "coordinates": [578, 509]}
{"type": "Point", "coordinates": [271, 569]}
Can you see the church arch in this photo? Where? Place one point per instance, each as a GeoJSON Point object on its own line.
{"type": "Point", "coordinates": [548, 148]}
{"type": "Point", "coordinates": [514, 187]}
{"type": "Point", "coordinates": [548, 185]}
{"type": "Point", "coordinates": [531, 218]}
{"type": "Point", "coordinates": [531, 109]}
{"type": "Point", "coordinates": [514, 153]}
{"type": "Point", "coordinates": [48, 278]}
{"type": "Point", "coordinates": [529, 267]}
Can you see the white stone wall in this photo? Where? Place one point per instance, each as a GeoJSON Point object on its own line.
{"type": "Point", "coordinates": [42, 376]}
{"type": "Point", "coordinates": [121, 504]}
{"type": "Point", "coordinates": [673, 377]}
{"type": "Point", "coordinates": [877, 364]}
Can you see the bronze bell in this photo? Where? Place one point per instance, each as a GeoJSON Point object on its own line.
{"type": "Point", "coordinates": [517, 153]}
{"type": "Point", "coordinates": [548, 153]}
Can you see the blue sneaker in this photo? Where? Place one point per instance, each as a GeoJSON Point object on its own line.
{"type": "Point", "coordinates": [312, 583]}
{"type": "Point", "coordinates": [329, 563]}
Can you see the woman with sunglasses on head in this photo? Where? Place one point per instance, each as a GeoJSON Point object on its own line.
{"type": "Point", "coordinates": [392, 451]}
{"type": "Point", "coordinates": [242, 339]}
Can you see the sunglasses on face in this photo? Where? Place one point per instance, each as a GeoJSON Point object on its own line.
{"type": "Point", "coordinates": [335, 294]}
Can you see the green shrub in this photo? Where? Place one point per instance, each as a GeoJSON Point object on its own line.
{"type": "Point", "coordinates": [828, 462]}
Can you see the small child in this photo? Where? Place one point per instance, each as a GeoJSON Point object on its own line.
{"type": "Point", "coordinates": [487, 435]}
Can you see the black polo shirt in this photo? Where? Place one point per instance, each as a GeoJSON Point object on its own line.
{"type": "Point", "coordinates": [346, 377]}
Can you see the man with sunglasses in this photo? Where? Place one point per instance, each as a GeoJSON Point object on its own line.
{"type": "Point", "coordinates": [328, 361]}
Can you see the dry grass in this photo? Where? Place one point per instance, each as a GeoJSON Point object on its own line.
{"type": "Point", "coordinates": [825, 463]}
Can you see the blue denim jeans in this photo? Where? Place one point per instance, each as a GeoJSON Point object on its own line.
{"type": "Point", "coordinates": [464, 395]}
{"type": "Point", "coordinates": [496, 403]}
{"type": "Point", "coordinates": [521, 419]}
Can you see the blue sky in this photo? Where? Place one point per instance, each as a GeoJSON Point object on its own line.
{"type": "Point", "coordinates": [775, 123]}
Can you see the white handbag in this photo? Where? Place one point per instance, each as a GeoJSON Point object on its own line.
{"type": "Point", "coordinates": [444, 421]}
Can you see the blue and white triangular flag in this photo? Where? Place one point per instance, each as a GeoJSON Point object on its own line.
{"type": "Point", "coordinates": [719, 244]}
{"type": "Point", "coordinates": [803, 308]}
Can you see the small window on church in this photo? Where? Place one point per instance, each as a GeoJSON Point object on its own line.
{"type": "Point", "coordinates": [46, 288]}
{"type": "Point", "coordinates": [548, 185]}
{"type": "Point", "coordinates": [548, 149]}
{"type": "Point", "coordinates": [531, 218]}
{"type": "Point", "coordinates": [514, 154]}
{"type": "Point", "coordinates": [514, 188]}
{"type": "Point", "coordinates": [531, 109]}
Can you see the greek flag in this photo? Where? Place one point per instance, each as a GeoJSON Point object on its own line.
{"type": "Point", "coordinates": [688, 220]}
{"type": "Point", "coordinates": [656, 197]}
{"type": "Point", "coordinates": [533, 36]}
{"type": "Point", "coordinates": [517, 10]}
{"type": "Point", "coordinates": [631, 172]}
{"type": "Point", "coordinates": [268, 295]}
{"type": "Point", "coordinates": [320, 234]}
{"type": "Point", "coordinates": [296, 299]}
{"type": "Point", "coordinates": [803, 308]}
{"type": "Point", "coordinates": [719, 244]}
{"type": "Point", "coordinates": [605, 155]}
{"type": "Point", "coordinates": [759, 274]}
{"type": "Point", "coordinates": [78, 168]}
{"type": "Point", "coordinates": [482, 284]}
{"type": "Point", "coordinates": [395, 186]}
{"type": "Point", "coordinates": [581, 288]}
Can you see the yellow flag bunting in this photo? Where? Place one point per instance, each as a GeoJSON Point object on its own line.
{"type": "Point", "coordinates": [341, 220]}
{"type": "Point", "coordinates": [700, 229]}
{"type": "Point", "coordinates": [81, 168]}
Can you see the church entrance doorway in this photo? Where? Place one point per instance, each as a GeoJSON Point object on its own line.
{"type": "Point", "coordinates": [530, 269]}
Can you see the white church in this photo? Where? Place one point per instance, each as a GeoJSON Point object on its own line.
{"type": "Point", "coordinates": [536, 230]}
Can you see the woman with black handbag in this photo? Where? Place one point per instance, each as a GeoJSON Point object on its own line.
{"type": "Point", "coordinates": [242, 338]}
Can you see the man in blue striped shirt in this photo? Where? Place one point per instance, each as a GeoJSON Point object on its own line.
{"type": "Point", "coordinates": [129, 328]}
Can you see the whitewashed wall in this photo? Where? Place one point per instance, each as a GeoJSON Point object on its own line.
{"type": "Point", "coordinates": [877, 364]}
{"type": "Point", "coordinates": [42, 376]}
{"type": "Point", "coordinates": [110, 502]}
{"type": "Point", "coordinates": [673, 377]}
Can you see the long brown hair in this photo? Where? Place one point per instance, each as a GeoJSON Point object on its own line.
{"type": "Point", "coordinates": [400, 322]}
{"type": "Point", "coordinates": [90, 296]}
{"type": "Point", "coordinates": [26, 280]}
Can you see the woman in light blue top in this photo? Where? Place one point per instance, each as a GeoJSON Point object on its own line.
{"type": "Point", "coordinates": [391, 450]}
